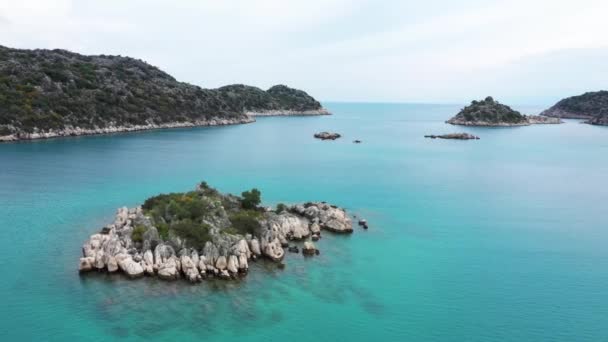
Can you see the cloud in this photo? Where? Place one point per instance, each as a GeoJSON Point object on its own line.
{"type": "Point", "coordinates": [336, 49]}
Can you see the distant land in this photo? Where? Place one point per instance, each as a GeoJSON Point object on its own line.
{"type": "Point", "coordinates": [592, 106]}
{"type": "Point", "coordinates": [489, 112]}
{"type": "Point", "coordinates": [52, 93]}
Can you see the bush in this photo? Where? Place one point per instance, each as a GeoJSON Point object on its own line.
{"type": "Point", "coordinates": [281, 208]}
{"type": "Point", "coordinates": [246, 222]}
{"type": "Point", "coordinates": [195, 234]}
{"type": "Point", "coordinates": [163, 230]}
{"type": "Point", "coordinates": [137, 235]}
{"type": "Point", "coordinates": [251, 199]}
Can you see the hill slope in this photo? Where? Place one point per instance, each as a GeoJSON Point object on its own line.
{"type": "Point", "coordinates": [489, 112]}
{"type": "Point", "coordinates": [45, 93]}
{"type": "Point", "coordinates": [592, 106]}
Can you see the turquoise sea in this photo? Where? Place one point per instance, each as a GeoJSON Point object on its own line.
{"type": "Point", "coordinates": [500, 239]}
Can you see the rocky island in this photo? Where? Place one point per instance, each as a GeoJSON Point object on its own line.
{"type": "Point", "coordinates": [489, 112]}
{"type": "Point", "coordinates": [327, 135]}
{"type": "Point", "coordinates": [204, 233]}
{"type": "Point", "coordinates": [591, 106]}
{"type": "Point", "coordinates": [456, 136]}
{"type": "Point", "coordinates": [53, 93]}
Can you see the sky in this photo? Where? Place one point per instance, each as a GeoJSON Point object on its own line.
{"type": "Point", "coordinates": [434, 51]}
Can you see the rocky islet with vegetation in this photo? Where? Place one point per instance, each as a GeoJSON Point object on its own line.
{"type": "Point", "coordinates": [204, 233]}
{"type": "Point", "coordinates": [489, 112]}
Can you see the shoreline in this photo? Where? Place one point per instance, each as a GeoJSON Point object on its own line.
{"type": "Point", "coordinates": [313, 112]}
{"type": "Point", "coordinates": [77, 131]}
{"type": "Point", "coordinates": [530, 120]}
{"type": "Point", "coordinates": [248, 117]}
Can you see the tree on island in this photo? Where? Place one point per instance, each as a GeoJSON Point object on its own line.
{"type": "Point", "coordinates": [251, 199]}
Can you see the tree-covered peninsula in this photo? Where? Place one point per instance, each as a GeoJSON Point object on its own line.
{"type": "Point", "coordinates": [591, 106]}
{"type": "Point", "coordinates": [48, 93]}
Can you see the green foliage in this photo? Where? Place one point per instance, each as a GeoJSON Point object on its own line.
{"type": "Point", "coordinates": [183, 214]}
{"type": "Point", "coordinates": [591, 103]}
{"type": "Point", "coordinates": [163, 230]}
{"type": "Point", "coordinates": [51, 89]}
{"type": "Point", "coordinates": [138, 232]}
{"type": "Point", "coordinates": [251, 199]}
{"type": "Point", "coordinates": [281, 208]}
{"type": "Point", "coordinates": [276, 98]}
{"type": "Point", "coordinates": [196, 234]}
{"type": "Point", "coordinates": [489, 110]}
{"type": "Point", "coordinates": [246, 222]}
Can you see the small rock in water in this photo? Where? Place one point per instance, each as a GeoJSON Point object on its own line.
{"type": "Point", "coordinates": [327, 136]}
{"type": "Point", "coordinates": [309, 248]}
{"type": "Point", "coordinates": [293, 249]}
{"type": "Point", "coordinates": [357, 141]}
{"type": "Point", "coordinates": [456, 136]}
{"type": "Point", "coordinates": [363, 223]}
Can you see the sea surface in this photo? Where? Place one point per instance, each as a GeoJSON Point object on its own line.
{"type": "Point", "coordinates": [499, 239]}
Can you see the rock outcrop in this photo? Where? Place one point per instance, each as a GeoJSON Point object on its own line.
{"type": "Point", "coordinates": [218, 239]}
{"type": "Point", "coordinates": [327, 135]}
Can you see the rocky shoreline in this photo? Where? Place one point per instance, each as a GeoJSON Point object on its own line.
{"type": "Point", "coordinates": [77, 131]}
{"type": "Point", "coordinates": [134, 244]}
{"type": "Point", "coordinates": [529, 120]}
{"type": "Point", "coordinates": [312, 112]}
{"type": "Point", "coordinates": [249, 117]}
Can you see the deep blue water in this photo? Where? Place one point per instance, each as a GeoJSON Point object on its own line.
{"type": "Point", "coordinates": [498, 239]}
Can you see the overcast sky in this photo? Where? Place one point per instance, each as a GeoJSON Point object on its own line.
{"type": "Point", "coordinates": [523, 52]}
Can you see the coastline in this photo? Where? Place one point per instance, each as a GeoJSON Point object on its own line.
{"type": "Point", "coordinates": [563, 114]}
{"type": "Point", "coordinates": [248, 117]}
{"type": "Point", "coordinates": [77, 131]}
{"type": "Point", "coordinates": [312, 112]}
{"type": "Point", "coordinates": [486, 123]}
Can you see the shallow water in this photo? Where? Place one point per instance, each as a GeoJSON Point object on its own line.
{"type": "Point", "coordinates": [502, 238]}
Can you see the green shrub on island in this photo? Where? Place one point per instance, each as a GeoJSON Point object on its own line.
{"type": "Point", "coordinates": [138, 233]}
{"type": "Point", "coordinates": [187, 215]}
{"type": "Point", "coordinates": [195, 233]}
{"type": "Point", "coordinates": [281, 207]}
{"type": "Point", "coordinates": [246, 222]}
{"type": "Point", "coordinates": [251, 199]}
